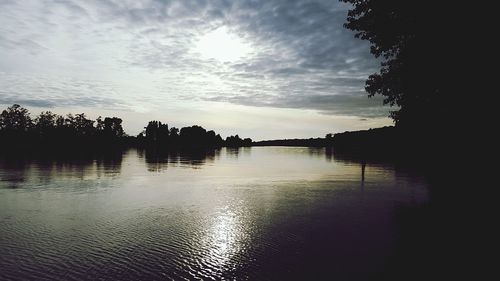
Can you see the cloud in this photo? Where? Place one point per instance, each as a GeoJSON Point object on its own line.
{"type": "Point", "coordinates": [50, 92]}
{"type": "Point", "coordinates": [28, 45]}
{"type": "Point", "coordinates": [350, 105]}
{"type": "Point", "coordinates": [301, 56]}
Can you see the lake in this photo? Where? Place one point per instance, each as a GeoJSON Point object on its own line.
{"type": "Point", "coordinates": [260, 213]}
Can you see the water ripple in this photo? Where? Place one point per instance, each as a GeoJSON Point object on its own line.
{"type": "Point", "coordinates": [243, 217]}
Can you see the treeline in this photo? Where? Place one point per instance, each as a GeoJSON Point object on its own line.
{"type": "Point", "coordinates": [159, 135]}
{"type": "Point", "coordinates": [379, 140]}
{"type": "Point", "coordinates": [77, 133]}
{"type": "Point", "coordinates": [54, 132]}
{"type": "Point", "coordinates": [389, 142]}
{"type": "Point", "coordinates": [311, 142]}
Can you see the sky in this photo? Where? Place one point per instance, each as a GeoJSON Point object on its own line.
{"type": "Point", "coordinates": [261, 69]}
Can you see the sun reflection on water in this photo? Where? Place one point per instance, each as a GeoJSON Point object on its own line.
{"type": "Point", "coordinates": [224, 239]}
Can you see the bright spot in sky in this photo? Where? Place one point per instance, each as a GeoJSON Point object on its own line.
{"type": "Point", "coordinates": [222, 45]}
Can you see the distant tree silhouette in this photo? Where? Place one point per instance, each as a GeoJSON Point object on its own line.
{"type": "Point", "coordinates": [45, 124]}
{"type": "Point", "coordinates": [233, 140]}
{"type": "Point", "coordinates": [60, 121]}
{"type": "Point", "coordinates": [46, 120]}
{"type": "Point", "coordinates": [194, 136]}
{"type": "Point", "coordinates": [236, 141]}
{"type": "Point", "coordinates": [218, 140]}
{"type": "Point", "coordinates": [52, 132]}
{"type": "Point", "coordinates": [310, 142]}
{"type": "Point", "coordinates": [15, 118]}
{"type": "Point", "coordinates": [156, 132]}
{"type": "Point", "coordinates": [112, 127]}
{"type": "Point", "coordinates": [99, 124]}
{"type": "Point", "coordinates": [82, 125]}
{"type": "Point", "coordinates": [163, 133]}
{"type": "Point", "coordinates": [152, 131]}
{"type": "Point", "coordinates": [174, 135]}
{"type": "Point", "coordinates": [410, 37]}
{"type": "Point", "coordinates": [157, 135]}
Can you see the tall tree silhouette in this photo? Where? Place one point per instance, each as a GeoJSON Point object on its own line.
{"type": "Point", "coordinates": [156, 132]}
{"type": "Point", "coordinates": [152, 131]}
{"type": "Point", "coordinates": [411, 38]}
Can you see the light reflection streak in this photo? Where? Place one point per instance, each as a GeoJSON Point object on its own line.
{"type": "Point", "coordinates": [224, 238]}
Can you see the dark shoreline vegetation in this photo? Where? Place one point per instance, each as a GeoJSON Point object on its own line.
{"type": "Point", "coordinates": [50, 133]}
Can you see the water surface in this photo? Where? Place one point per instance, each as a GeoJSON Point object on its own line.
{"type": "Point", "coordinates": [262, 213]}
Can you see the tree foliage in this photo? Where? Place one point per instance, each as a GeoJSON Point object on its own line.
{"type": "Point", "coordinates": [157, 134]}
{"type": "Point", "coordinates": [412, 39]}
{"type": "Point", "coordinates": [18, 129]}
{"type": "Point", "coordinates": [113, 127]}
{"type": "Point", "coordinates": [16, 118]}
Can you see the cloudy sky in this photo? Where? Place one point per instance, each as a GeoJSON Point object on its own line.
{"type": "Point", "coordinates": [263, 69]}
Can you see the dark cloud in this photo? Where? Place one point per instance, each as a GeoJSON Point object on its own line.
{"type": "Point", "coordinates": [87, 101]}
{"type": "Point", "coordinates": [26, 102]}
{"type": "Point", "coordinates": [353, 105]}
